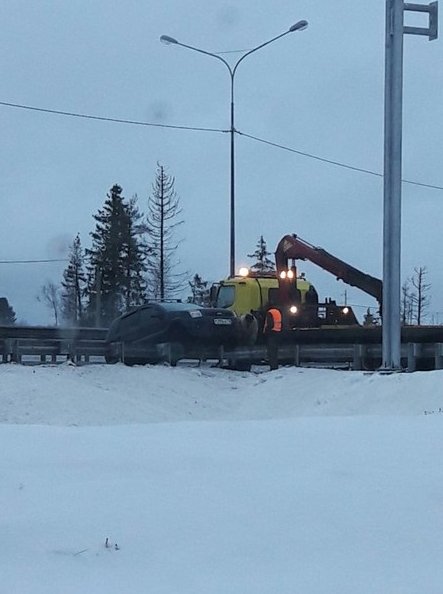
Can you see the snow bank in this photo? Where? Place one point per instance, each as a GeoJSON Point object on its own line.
{"type": "Point", "coordinates": [114, 395]}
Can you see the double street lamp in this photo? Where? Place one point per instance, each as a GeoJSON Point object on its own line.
{"type": "Point", "coordinates": [299, 26]}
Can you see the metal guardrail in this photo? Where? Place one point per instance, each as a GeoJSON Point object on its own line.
{"type": "Point", "coordinates": [353, 349]}
{"type": "Point", "coordinates": [53, 343]}
{"type": "Point", "coordinates": [414, 356]}
{"type": "Point", "coordinates": [16, 349]}
{"type": "Point", "coordinates": [54, 332]}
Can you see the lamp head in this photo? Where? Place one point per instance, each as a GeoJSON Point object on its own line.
{"type": "Point", "coordinates": [167, 40]}
{"type": "Point", "coordinates": [299, 26]}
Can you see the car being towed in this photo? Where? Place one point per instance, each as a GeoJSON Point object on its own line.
{"type": "Point", "coordinates": [135, 335]}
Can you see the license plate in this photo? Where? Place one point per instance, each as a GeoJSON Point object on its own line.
{"type": "Point", "coordinates": [222, 322]}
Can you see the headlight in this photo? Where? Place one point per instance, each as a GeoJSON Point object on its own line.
{"type": "Point", "coordinates": [195, 313]}
{"type": "Point", "coordinates": [345, 310]}
{"type": "Point", "coordinates": [290, 274]}
{"type": "Point", "coordinates": [283, 274]}
{"type": "Point", "coordinates": [293, 309]}
{"type": "Point", "coordinates": [243, 271]}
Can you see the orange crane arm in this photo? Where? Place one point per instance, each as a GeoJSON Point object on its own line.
{"type": "Point", "coordinates": [294, 248]}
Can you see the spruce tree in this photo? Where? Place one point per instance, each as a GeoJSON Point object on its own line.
{"type": "Point", "coordinates": [200, 291]}
{"type": "Point", "coordinates": [115, 260]}
{"type": "Point", "coordinates": [74, 285]}
{"type": "Point", "coordinates": [161, 223]}
{"type": "Point", "coordinates": [134, 253]}
{"type": "Point", "coordinates": [50, 296]}
{"type": "Point", "coordinates": [262, 263]}
{"type": "Point", "coordinates": [7, 314]}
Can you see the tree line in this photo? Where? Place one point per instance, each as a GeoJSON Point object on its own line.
{"type": "Point", "coordinates": [132, 258]}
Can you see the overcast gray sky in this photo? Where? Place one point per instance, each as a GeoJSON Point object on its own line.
{"type": "Point", "coordinates": [319, 91]}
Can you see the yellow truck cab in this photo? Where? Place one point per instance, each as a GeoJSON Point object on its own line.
{"type": "Point", "coordinates": [253, 292]}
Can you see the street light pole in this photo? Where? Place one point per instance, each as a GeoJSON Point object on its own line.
{"type": "Point", "coordinates": [299, 26]}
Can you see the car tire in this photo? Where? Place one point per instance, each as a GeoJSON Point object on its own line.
{"type": "Point", "coordinates": [112, 353]}
{"type": "Point", "coordinates": [111, 359]}
{"type": "Point", "coordinates": [243, 365]}
{"type": "Point", "coordinates": [131, 361]}
{"type": "Point", "coordinates": [176, 352]}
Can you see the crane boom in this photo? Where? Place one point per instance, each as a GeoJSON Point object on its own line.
{"type": "Point", "coordinates": [294, 248]}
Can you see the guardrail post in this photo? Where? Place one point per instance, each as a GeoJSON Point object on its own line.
{"type": "Point", "coordinates": [414, 351]}
{"type": "Point", "coordinates": [411, 356]}
{"type": "Point", "coordinates": [7, 351]}
{"type": "Point", "coordinates": [15, 356]}
{"type": "Point", "coordinates": [71, 352]}
{"type": "Point", "coordinates": [438, 355]}
{"type": "Point", "coordinates": [297, 355]}
{"type": "Point", "coordinates": [357, 362]}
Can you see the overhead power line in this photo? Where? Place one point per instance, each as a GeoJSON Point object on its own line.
{"type": "Point", "coordinates": [218, 130]}
{"type": "Point", "coordinates": [107, 119]}
{"type": "Point", "coordinates": [309, 155]}
{"type": "Point", "coordinates": [332, 162]}
{"type": "Point", "coordinates": [30, 261]}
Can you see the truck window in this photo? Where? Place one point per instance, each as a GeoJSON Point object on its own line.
{"type": "Point", "coordinates": [225, 296]}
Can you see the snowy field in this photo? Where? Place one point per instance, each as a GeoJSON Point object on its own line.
{"type": "Point", "coordinates": [217, 482]}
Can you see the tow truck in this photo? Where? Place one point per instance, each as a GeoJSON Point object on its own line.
{"type": "Point", "coordinates": [251, 293]}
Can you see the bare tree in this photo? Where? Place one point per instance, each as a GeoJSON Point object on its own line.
{"type": "Point", "coordinates": [49, 295]}
{"type": "Point", "coordinates": [161, 223]}
{"type": "Point", "coordinates": [73, 284]}
{"type": "Point", "coordinates": [420, 297]}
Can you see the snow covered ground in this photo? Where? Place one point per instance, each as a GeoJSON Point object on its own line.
{"type": "Point", "coordinates": [209, 481]}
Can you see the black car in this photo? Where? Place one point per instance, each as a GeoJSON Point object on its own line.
{"type": "Point", "coordinates": [134, 337]}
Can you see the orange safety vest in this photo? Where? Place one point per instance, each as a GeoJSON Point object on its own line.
{"type": "Point", "coordinates": [276, 317]}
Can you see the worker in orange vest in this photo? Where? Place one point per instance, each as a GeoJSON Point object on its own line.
{"type": "Point", "coordinates": [272, 330]}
